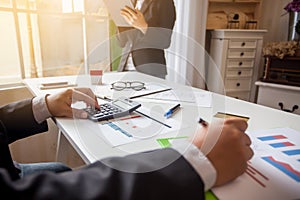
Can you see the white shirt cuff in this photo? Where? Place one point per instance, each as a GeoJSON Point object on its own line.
{"type": "Point", "coordinates": [199, 162]}
{"type": "Point", "coordinates": [40, 109]}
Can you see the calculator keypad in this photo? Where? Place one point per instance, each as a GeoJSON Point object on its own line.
{"type": "Point", "coordinates": [106, 111]}
{"type": "Point", "coordinates": [114, 109]}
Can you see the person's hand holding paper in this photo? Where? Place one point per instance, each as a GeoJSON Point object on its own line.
{"type": "Point", "coordinates": [135, 18]}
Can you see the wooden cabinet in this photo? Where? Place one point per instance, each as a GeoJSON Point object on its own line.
{"type": "Point", "coordinates": [282, 71]}
{"type": "Point", "coordinates": [236, 55]}
{"type": "Point", "coordinates": [279, 96]}
{"type": "Point", "coordinates": [220, 12]}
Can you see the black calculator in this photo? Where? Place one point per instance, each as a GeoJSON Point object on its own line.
{"type": "Point", "coordinates": [114, 109]}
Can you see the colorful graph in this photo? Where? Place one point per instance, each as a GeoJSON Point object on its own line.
{"type": "Point", "coordinates": [256, 175]}
{"type": "Point", "coordinates": [281, 144]}
{"type": "Point", "coordinates": [292, 152]}
{"type": "Point", "coordinates": [117, 128]}
{"type": "Point", "coordinates": [130, 117]}
{"type": "Point", "coordinates": [272, 137]}
{"type": "Point", "coordinates": [283, 167]}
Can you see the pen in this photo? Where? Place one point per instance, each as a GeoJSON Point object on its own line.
{"type": "Point", "coordinates": [171, 111]}
{"type": "Point", "coordinates": [202, 122]}
{"type": "Point", "coordinates": [146, 94]}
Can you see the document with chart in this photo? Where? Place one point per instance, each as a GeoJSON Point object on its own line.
{"type": "Point", "coordinates": [137, 127]}
{"type": "Point", "coordinates": [273, 172]}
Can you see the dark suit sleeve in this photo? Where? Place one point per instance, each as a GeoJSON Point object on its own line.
{"type": "Point", "coordinates": [115, 178]}
{"type": "Point", "coordinates": [161, 14]}
{"type": "Point", "coordinates": [18, 121]}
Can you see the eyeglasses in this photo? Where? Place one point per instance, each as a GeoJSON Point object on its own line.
{"type": "Point", "coordinates": [120, 85]}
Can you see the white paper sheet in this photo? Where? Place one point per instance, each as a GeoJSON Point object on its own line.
{"type": "Point", "coordinates": [114, 7]}
{"type": "Point", "coordinates": [201, 98]}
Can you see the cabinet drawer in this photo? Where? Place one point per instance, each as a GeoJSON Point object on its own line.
{"type": "Point", "coordinates": [239, 95]}
{"type": "Point", "coordinates": [238, 73]}
{"type": "Point", "coordinates": [238, 84]}
{"type": "Point", "coordinates": [241, 53]}
{"type": "Point", "coordinates": [237, 43]}
{"type": "Point", "coordinates": [272, 97]}
{"type": "Point", "coordinates": [239, 63]}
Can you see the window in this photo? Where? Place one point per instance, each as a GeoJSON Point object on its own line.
{"type": "Point", "coordinates": [71, 6]}
{"type": "Point", "coordinates": [51, 38]}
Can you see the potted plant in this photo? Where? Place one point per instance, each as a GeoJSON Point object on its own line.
{"type": "Point", "coordinates": [281, 49]}
{"type": "Point", "coordinates": [293, 8]}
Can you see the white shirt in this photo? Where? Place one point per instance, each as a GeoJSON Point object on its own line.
{"type": "Point", "coordinates": [139, 4]}
{"type": "Point", "coordinates": [190, 152]}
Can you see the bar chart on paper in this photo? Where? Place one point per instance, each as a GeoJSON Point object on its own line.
{"type": "Point", "coordinates": [284, 143]}
{"type": "Point", "coordinates": [273, 172]}
{"type": "Point", "coordinates": [283, 167]}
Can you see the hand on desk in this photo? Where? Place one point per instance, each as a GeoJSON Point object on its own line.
{"type": "Point", "coordinates": [227, 146]}
{"type": "Point", "coordinates": [59, 104]}
{"type": "Point", "coordinates": [135, 18]}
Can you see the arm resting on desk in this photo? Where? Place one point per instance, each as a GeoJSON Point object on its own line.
{"type": "Point", "coordinates": [177, 180]}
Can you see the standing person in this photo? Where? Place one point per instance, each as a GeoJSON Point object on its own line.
{"type": "Point", "coordinates": [144, 44]}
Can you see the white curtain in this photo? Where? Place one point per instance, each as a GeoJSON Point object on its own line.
{"type": "Point", "coordinates": [185, 57]}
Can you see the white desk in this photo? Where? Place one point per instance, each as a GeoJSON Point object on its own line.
{"type": "Point", "coordinates": [82, 136]}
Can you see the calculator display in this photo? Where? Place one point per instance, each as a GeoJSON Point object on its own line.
{"type": "Point", "coordinates": [122, 104]}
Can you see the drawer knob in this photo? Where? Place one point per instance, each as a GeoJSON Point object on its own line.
{"type": "Point", "coordinates": [241, 63]}
{"type": "Point", "coordinates": [242, 54]}
{"type": "Point", "coordinates": [295, 107]}
{"type": "Point", "coordinates": [239, 72]}
{"type": "Point", "coordinates": [238, 84]}
{"type": "Point", "coordinates": [243, 44]}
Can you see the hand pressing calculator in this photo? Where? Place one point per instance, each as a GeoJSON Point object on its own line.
{"type": "Point", "coordinates": [114, 109]}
